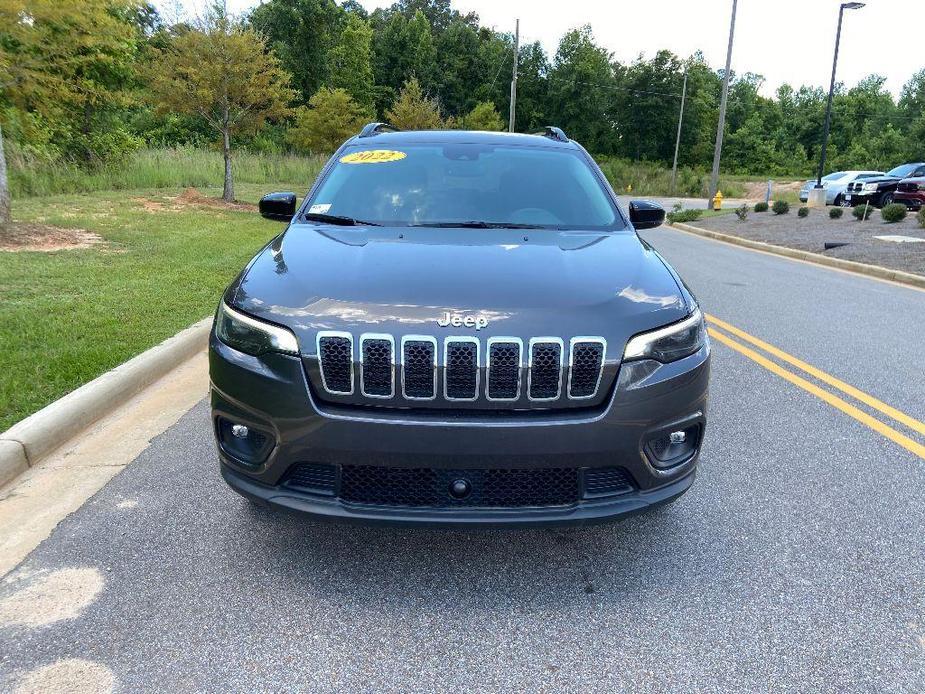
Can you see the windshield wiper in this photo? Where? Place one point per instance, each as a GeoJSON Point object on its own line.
{"type": "Point", "coordinates": [477, 224]}
{"type": "Point", "coordinates": [337, 219]}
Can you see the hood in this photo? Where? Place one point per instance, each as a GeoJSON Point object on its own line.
{"type": "Point", "coordinates": [403, 280]}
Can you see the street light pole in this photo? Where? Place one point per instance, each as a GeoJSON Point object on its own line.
{"type": "Point", "coordinates": [717, 150]}
{"type": "Point", "coordinates": [510, 127]}
{"type": "Point", "coordinates": [677, 142]}
{"type": "Point", "coordinates": [828, 107]}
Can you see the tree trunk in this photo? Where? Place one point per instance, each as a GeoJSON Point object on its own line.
{"type": "Point", "coordinates": [228, 191]}
{"type": "Point", "coordinates": [5, 214]}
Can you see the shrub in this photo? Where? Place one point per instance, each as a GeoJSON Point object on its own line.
{"type": "Point", "coordinates": [921, 217]}
{"type": "Point", "coordinates": [678, 215]}
{"type": "Point", "coordinates": [803, 212]}
{"type": "Point", "coordinates": [761, 207]}
{"type": "Point", "coordinates": [780, 207]}
{"type": "Point", "coordinates": [836, 213]}
{"type": "Point", "coordinates": [742, 212]}
{"type": "Point", "coordinates": [893, 213]}
{"type": "Point", "coordinates": [862, 212]}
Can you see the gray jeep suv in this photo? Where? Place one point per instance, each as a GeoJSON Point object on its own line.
{"type": "Point", "coordinates": [459, 328]}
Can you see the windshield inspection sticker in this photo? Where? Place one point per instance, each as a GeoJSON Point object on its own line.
{"type": "Point", "coordinates": [373, 156]}
{"type": "Point", "coordinates": [319, 209]}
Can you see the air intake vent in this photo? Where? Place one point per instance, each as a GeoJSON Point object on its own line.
{"type": "Point", "coordinates": [419, 367]}
{"type": "Point", "coordinates": [586, 362]}
{"type": "Point", "coordinates": [377, 372]}
{"type": "Point", "coordinates": [335, 354]}
{"type": "Point", "coordinates": [606, 481]}
{"type": "Point", "coordinates": [504, 365]}
{"type": "Point", "coordinates": [461, 369]}
{"type": "Point", "coordinates": [312, 477]}
{"type": "Point", "coordinates": [429, 487]}
{"type": "Point", "coordinates": [545, 380]}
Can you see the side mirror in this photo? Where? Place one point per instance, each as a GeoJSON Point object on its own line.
{"type": "Point", "coordinates": [646, 215]}
{"type": "Point", "coordinates": [278, 206]}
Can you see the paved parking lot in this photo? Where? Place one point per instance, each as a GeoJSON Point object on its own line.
{"type": "Point", "coordinates": [795, 562]}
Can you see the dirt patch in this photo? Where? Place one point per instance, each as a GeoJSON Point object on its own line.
{"type": "Point", "coordinates": [756, 190]}
{"type": "Point", "coordinates": [24, 236]}
{"type": "Point", "coordinates": [191, 197]}
{"type": "Point", "coordinates": [812, 233]}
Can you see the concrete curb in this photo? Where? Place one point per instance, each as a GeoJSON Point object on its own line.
{"type": "Point", "coordinates": [877, 271]}
{"type": "Point", "coordinates": [27, 442]}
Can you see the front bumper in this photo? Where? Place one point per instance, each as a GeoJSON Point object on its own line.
{"type": "Point", "coordinates": [912, 200]}
{"type": "Point", "coordinates": [270, 394]}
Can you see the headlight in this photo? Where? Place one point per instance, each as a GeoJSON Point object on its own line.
{"type": "Point", "coordinates": [670, 343]}
{"type": "Point", "coordinates": [870, 188]}
{"type": "Point", "coordinates": [250, 335]}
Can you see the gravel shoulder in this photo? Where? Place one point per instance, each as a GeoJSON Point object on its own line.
{"type": "Point", "coordinates": [813, 232]}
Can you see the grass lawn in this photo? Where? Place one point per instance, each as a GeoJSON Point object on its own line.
{"type": "Point", "coordinates": [68, 316]}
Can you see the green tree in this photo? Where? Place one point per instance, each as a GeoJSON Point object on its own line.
{"type": "Point", "coordinates": [532, 83]}
{"type": "Point", "coordinates": [413, 110]}
{"type": "Point", "coordinates": [581, 90]}
{"type": "Point", "coordinates": [222, 73]}
{"type": "Point", "coordinates": [332, 117]}
{"type": "Point", "coordinates": [483, 117]}
{"type": "Point", "coordinates": [61, 63]}
{"type": "Point", "coordinates": [351, 62]}
{"type": "Point", "coordinates": [302, 33]}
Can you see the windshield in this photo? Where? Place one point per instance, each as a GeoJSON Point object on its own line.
{"type": "Point", "coordinates": [442, 184]}
{"type": "Point", "coordinates": [901, 171]}
{"type": "Point", "coordinates": [834, 176]}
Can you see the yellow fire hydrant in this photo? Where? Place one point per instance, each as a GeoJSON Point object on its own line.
{"type": "Point", "coordinates": [718, 200]}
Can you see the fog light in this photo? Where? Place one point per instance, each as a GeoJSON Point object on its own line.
{"type": "Point", "coordinates": [244, 443]}
{"type": "Point", "coordinates": [668, 449]}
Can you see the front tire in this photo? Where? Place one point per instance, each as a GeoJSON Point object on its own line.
{"type": "Point", "coordinates": [886, 199]}
{"type": "Point", "coordinates": [838, 200]}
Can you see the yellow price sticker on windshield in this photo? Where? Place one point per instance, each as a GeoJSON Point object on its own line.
{"type": "Point", "coordinates": [373, 156]}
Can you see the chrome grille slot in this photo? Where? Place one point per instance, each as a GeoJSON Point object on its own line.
{"type": "Point", "coordinates": [335, 356]}
{"type": "Point", "coordinates": [586, 366]}
{"type": "Point", "coordinates": [461, 368]}
{"type": "Point", "coordinates": [545, 375]}
{"type": "Point", "coordinates": [419, 367]}
{"type": "Point", "coordinates": [377, 366]}
{"type": "Point", "coordinates": [504, 364]}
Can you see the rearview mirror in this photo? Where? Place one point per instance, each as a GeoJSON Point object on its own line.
{"type": "Point", "coordinates": [645, 214]}
{"type": "Point", "coordinates": [278, 206]}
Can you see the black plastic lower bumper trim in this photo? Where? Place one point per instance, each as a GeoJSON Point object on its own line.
{"type": "Point", "coordinates": [583, 513]}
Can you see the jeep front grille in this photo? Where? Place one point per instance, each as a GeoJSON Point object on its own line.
{"type": "Point", "coordinates": [461, 369]}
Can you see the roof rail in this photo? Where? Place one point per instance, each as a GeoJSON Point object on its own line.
{"type": "Point", "coordinates": [371, 129]}
{"type": "Point", "coordinates": [553, 132]}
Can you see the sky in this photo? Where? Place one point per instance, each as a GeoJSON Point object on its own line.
{"type": "Point", "coordinates": [786, 41]}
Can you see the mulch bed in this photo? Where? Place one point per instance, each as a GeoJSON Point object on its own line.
{"type": "Point", "coordinates": [811, 234]}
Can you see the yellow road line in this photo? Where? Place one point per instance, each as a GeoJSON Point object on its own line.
{"type": "Point", "coordinates": [833, 400]}
{"type": "Point", "coordinates": [859, 395]}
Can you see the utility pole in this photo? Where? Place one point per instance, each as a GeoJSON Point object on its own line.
{"type": "Point", "coordinates": [510, 126]}
{"type": "Point", "coordinates": [677, 142]}
{"type": "Point", "coordinates": [714, 176]}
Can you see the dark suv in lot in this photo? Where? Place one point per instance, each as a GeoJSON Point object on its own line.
{"type": "Point", "coordinates": [881, 191]}
{"type": "Point", "coordinates": [459, 328]}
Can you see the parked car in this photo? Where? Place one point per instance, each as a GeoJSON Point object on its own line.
{"type": "Point", "coordinates": [880, 191]}
{"type": "Point", "coordinates": [836, 183]}
{"type": "Point", "coordinates": [911, 192]}
{"type": "Point", "coordinates": [459, 328]}
{"type": "Point", "coordinates": [811, 183]}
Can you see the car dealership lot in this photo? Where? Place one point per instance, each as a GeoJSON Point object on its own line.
{"type": "Point", "coordinates": [795, 562]}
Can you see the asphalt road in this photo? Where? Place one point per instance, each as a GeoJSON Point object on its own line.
{"type": "Point", "coordinates": [795, 563]}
